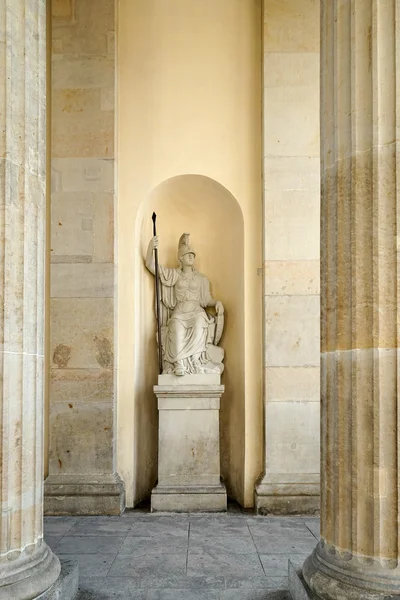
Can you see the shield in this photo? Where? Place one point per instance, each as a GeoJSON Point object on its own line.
{"type": "Point", "coordinates": [219, 328]}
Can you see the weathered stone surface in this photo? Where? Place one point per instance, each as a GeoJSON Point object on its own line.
{"type": "Point", "coordinates": [291, 256]}
{"type": "Point", "coordinates": [188, 446]}
{"type": "Point", "coordinates": [28, 566]}
{"type": "Point", "coordinates": [358, 554]}
{"type": "Point", "coordinates": [83, 273]}
{"type": "Point", "coordinates": [89, 494]}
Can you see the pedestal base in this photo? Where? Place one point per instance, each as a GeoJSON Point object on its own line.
{"type": "Point", "coordinates": [66, 586]}
{"type": "Point", "coordinates": [30, 574]}
{"type": "Point", "coordinates": [210, 498]}
{"type": "Point", "coordinates": [299, 495]}
{"type": "Point", "coordinates": [84, 495]}
{"type": "Point", "coordinates": [321, 579]}
{"type": "Point", "coordinates": [188, 445]}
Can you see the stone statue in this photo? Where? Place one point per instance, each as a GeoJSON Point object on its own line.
{"type": "Point", "coordinates": [189, 334]}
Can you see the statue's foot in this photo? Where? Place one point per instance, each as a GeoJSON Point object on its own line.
{"type": "Point", "coordinates": [179, 371]}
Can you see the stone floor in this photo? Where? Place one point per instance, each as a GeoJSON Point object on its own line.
{"type": "Point", "coordinates": [143, 556]}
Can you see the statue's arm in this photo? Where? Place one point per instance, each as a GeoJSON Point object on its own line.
{"type": "Point", "coordinates": [149, 262]}
{"type": "Point", "coordinates": [212, 302]}
{"type": "Point", "coordinates": [168, 277]}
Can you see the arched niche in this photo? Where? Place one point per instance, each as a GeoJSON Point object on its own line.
{"type": "Point", "coordinates": [202, 207]}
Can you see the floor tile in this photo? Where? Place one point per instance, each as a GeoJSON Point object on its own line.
{"type": "Point", "coordinates": [146, 546]}
{"type": "Point", "coordinates": [159, 565]}
{"type": "Point", "coordinates": [277, 544]}
{"type": "Point", "coordinates": [214, 526]}
{"type": "Point", "coordinates": [57, 525]}
{"type": "Point", "coordinates": [160, 526]}
{"type": "Point", "coordinates": [256, 583]}
{"type": "Point", "coordinates": [260, 594]}
{"type": "Point", "coordinates": [75, 544]}
{"type": "Point", "coordinates": [100, 588]}
{"type": "Point", "coordinates": [52, 540]}
{"type": "Point", "coordinates": [276, 565]}
{"type": "Point", "coordinates": [184, 594]}
{"type": "Point", "coordinates": [314, 527]}
{"type": "Point", "coordinates": [226, 542]}
{"type": "Point", "coordinates": [91, 565]}
{"type": "Point", "coordinates": [101, 527]}
{"type": "Point", "coordinates": [213, 562]}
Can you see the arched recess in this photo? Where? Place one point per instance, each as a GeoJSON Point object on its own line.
{"type": "Point", "coordinates": [202, 207]}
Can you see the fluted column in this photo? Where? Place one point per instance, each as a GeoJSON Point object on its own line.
{"type": "Point", "coordinates": [358, 555]}
{"type": "Point", "coordinates": [27, 565]}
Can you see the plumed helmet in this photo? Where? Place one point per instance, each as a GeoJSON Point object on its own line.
{"type": "Point", "coordinates": [184, 246]}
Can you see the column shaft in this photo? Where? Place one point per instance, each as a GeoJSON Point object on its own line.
{"type": "Point", "coordinates": [27, 566]}
{"type": "Point", "coordinates": [359, 548]}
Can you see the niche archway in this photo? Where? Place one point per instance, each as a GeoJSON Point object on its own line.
{"type": "Point", "coordinates": [202, 207]}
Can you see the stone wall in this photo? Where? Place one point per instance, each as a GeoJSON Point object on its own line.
{"type": "Point", "coordinates": [81, 385]}
{"type": "Point", "coordinates": [291, 256]}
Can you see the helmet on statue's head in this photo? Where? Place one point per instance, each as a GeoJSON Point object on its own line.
{"type": "Point", "coordinates": [184, 246]}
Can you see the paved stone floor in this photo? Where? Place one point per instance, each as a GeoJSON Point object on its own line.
{"type": "Point", "coordinates": [143, 556]}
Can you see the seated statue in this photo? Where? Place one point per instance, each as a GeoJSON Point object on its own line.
{"type": "Point", "coordinates": [189, 334]}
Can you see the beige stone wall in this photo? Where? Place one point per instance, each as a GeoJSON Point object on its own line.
{"type": "Point", "coordinates": [291, 248]}
{"type": "Point", "coordinates": [81, 386]}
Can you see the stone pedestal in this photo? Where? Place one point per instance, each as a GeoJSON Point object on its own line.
{"type": "Point", "coordinates": [188, 445]}
{"type": "Point", "coordinates": [358, 555]}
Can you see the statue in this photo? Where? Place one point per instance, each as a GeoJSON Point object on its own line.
{"type": "Point", "coordinates": [189, 334]}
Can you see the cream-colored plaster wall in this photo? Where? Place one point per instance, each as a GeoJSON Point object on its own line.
{"type": "Point", "coordinates": [82, 238]}
{"type": "Point", "coordinates": [189, 102]}
{"type": "Point", "coordinates": [291, 252]}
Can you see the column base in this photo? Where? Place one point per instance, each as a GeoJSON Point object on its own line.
{"type": "Point", "coordinates": [271, 498]}
{"type": "Point", "coordinates": [326, 576]}
{"type": "Point", "coordinates": [84, 495]}
{"type": "Point", "coordinates": [66, 586]}
{"type": "Point", "coordinates": [30, 574]}
{"type": "Point", "coordinates": [209, 498]}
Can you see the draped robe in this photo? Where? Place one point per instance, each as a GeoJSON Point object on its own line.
{"type": "Point", "coordinates": [184, 321]}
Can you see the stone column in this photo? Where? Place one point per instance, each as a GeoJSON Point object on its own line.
{"type": "Point", "coordinates": [358, 554]}
{"type": "Point", "coordinates": [27, 565]}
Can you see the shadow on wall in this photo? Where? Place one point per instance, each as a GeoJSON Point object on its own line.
{"type": "Point", "coordinates": [202, 207]}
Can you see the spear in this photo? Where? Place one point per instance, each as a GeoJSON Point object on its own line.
{"type": "Point", "coordinates": [160, 363]}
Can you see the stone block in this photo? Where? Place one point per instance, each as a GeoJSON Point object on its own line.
{"type": "Point", "coordinates": [82, 333]}
{"type": "Point", "coordinates": [82, 72]}
{"type": "Point", "coordinates": [189, 498]}
{"type": "Point", "coordinates": [76, 494]}
{"type": "Point", "coordinates": [83, 30]}
{"type": "Point", "coordinates": [85, 129]}
{"type": "Point", "coordinates": [286, 505]}
{"type": "Point", "coordinates": [291, 69]}
{"type": "Point", "coordinates": [292, 331]}
{"type": "Point", "coordinates": [77, 385]}
{"type": "Point", "coordinates": [188, 452]}
{"type": "Point", "coordinates": [293, 437]}
{"type": "Point", "coordinates": [292, 173]}
{"type": "Point", "coordinates": [296, 109]}
{"type": "Point", "coordinates": [291, 26]}
{"type": "Point", "coordinates": [82, 175]}
{"type": "Point", "coordinates": [292, 384]}
{"type": "Point", "coordinates": [292, 225]}
{"type": "Point", "coordinates": [81, 438]}
{"type": "Point", "coordinates": [291, 277]}
{"type": "Point", "coordinates": [94, 280]}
